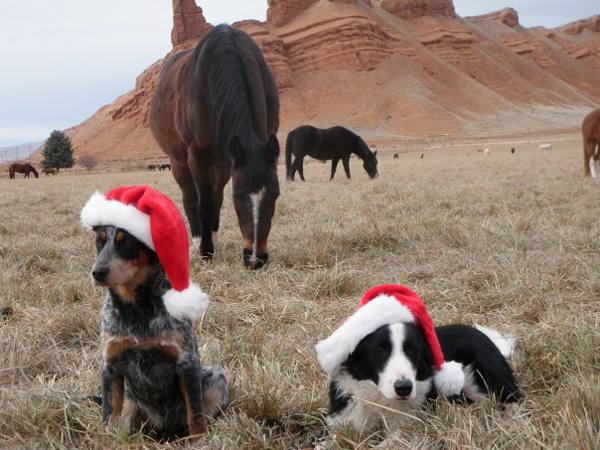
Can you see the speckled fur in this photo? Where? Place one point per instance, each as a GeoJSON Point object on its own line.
{"type": "Point", "coordinates": [152, 358]}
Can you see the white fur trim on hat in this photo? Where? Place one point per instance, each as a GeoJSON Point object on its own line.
{"type": "Point", "coordinates": [380, 311]}
{"type": "Point", "coordinates": [187, 304]}
{"type": "Point", "coordinates": [99, 211]}
{"type": "Point", "coordinates": [450, 379]}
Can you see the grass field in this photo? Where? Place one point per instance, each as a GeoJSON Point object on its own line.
{"type": "Point", "coordinates": [506, 241]}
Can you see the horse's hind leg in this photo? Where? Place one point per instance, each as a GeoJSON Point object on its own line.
{"type": "Point", "coordinates": [589, 166]}
{"type": "Point", "coordinates": [334, 164]}
{"type": "Point", "coordinates": [346, 163]}
{"type": "Point", "coordinates": [296, 166]}
{"type": "Point", "coordinates": [201, 167]}
{"type": "Point", "coordinates": [184, 179]}
{"type": "Point", "coordinates": [222, 177]}
{"type": "Point", "coordinates": [301, 168]}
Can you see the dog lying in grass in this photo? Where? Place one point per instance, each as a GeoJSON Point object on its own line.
{"type": "Point", "coordinates": [151, 372]}
{"type": "Point", "coordinates": [387, 360]}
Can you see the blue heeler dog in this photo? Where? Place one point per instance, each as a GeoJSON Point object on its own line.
{"type": "Point", "coordinates": [151, 372]}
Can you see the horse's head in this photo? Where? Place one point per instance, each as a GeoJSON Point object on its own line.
{"type": "Point", "coordinates": [35, 172]}
{"type": "Point", "coordinates": [255, 191]}
{"type": "Point", "coordinates": [370, 164]}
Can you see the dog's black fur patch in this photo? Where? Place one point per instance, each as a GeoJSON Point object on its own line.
{"type": "Point", "coordinates": [475, 350]}
{"type": "Point", "coordinates": [471, 347]}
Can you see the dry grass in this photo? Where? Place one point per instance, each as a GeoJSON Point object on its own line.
{"type": "Point", "coordinates": [511, 242]}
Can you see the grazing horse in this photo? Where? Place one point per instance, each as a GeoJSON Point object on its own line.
{"type": "Point", "coordinates": [591, 143]}
{"type": "Point", "coordinates": [151, 167]}
{"type": "Point", "coordinates": [47, 172]}
{"type": "Point", "coordinates": [22, 168]}
{"type": "Point", "coordinates": [215, 113]}
{"type": "Point", "coordinates": [165, 167]}
{"type": "Point", "coordinates": [396, 156]}
{"type": "Point", "coordinates": [545, 148]}
{"type": "Point", "coordinates": [332, 143]}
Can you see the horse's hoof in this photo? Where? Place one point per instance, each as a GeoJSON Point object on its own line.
{"type": "Point", "coordinates": [206, 255]}
{"type": "Point", "coordinates": [254, 262]}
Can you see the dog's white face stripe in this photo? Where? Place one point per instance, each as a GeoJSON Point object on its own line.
{"type": "Point", "coordinates": [398, 367]}
{"type": "Point", "coordinates": [256, 198]}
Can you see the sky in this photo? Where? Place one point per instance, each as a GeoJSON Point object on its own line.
{"type": "Point", "coordinates": [61, 60]}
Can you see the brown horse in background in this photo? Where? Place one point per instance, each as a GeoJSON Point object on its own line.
{"type": "Point", "coordinates": [591, 142]}
{"type": "Point", "coordinates": [215, 113]}
{"type": "Point", "coordinates": [26, 169]}
{"type": "Point", "coordinates": [49, 171]}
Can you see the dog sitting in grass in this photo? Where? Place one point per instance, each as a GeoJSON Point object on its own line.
{"type": "Point", "coordinates": [151, 372]}
{"type": "Point", "coordinates": [387, 359]}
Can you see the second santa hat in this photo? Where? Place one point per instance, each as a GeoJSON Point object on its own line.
{"type": "Point", "coordinates": [384, 305]}
{"type": "Point", "coordinates": [153, 218]}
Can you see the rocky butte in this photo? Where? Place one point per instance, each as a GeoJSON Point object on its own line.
{"type": "Point", "coordinates": [387, 68]}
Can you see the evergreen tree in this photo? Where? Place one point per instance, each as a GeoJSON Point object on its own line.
{"type": "Point", "coordinates": [58, 151]}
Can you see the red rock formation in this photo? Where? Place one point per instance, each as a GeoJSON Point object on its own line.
{"type": "Point", "coordinates": [189, 23]}
{"type": "Point", "coordinates": [410, 9]}
{"type": "Point", "coordinates": [385, 68]}
{"type": "Point", "coordinates": [507, 16]}
{"type": "Point", "coordinates": [281, 12]}
{"type": "Point", "coordinates": [337, 37]}
{"type": "Point", "coordinates": [578, 27]}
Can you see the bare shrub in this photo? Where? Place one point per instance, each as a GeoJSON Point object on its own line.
{"type": "Point", "coordinates": [88, 161]}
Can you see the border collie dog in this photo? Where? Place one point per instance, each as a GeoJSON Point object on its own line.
{"type": "Point", "coordinates": [387, 360]}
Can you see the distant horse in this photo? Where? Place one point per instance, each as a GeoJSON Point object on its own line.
{"type": "Point", "coordinates": [49, 171]}
{"type": "Point", "coordinates": [215, 113]}
{"type": "Point", "coordinates": [332, 143]}
{"type": "Point", "coordinates": [152, 167]}
{"type": "Point", "coordinates": [545, 148]}
{"type": "Point", "coordinates": [22, 168]}
{"type": "Point", "coordinates": [422, 156]}
{"type": "Point", "coordinates": [487, 152]}
{"type": "Point", "coordinates": [396, 156]}
{"type": "Point", "coordinates": [512, 151]}
{"type": "Point", "coordinates": [591, 142]}
{"type": "Point", "coordinates": [165, 167]}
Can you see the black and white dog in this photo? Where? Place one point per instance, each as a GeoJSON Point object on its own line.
{"type": "Point", "coordinates": [385, 361]}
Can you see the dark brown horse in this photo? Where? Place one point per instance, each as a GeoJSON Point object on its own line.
{"type": "Point", "coordinates": [591, 142]}
{"type": "Point", "coordinates": [332, 143]}
{"type": "Point", "coordinates": [215, 113]}
{"type": "Point", "coordinates": [26, 169]}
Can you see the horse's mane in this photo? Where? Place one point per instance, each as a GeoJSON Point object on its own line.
{"type": "Point", "coordinates": [230, 100]}
{"type": "Point", "coordinates": [363, 150]}
{"type": "Point", "coordinates": [32, 169]}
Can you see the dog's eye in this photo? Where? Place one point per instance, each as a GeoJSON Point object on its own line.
{"type": "Point", "coordinates": [381, 350]}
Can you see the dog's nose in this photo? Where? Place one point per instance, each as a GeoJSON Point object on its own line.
{"type": "Point", "coordinates": [403, 387]}
{"type": "Point", "coordinates": [100, 274]}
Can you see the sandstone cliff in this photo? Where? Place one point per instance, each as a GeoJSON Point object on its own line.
{"type": "Point", "coordinates": [388, 68]}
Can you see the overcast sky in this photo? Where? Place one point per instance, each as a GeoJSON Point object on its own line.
{"type": "Point", "coordinates": [61, 60]}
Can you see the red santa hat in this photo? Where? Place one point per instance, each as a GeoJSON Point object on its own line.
{"type": "Point", "coordinates": [384, 305]}
{"type": "Point", "coordinates": [153, 218]}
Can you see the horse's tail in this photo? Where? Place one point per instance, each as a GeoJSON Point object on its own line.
{"type": "Point", "coordinates": [288, 155]}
